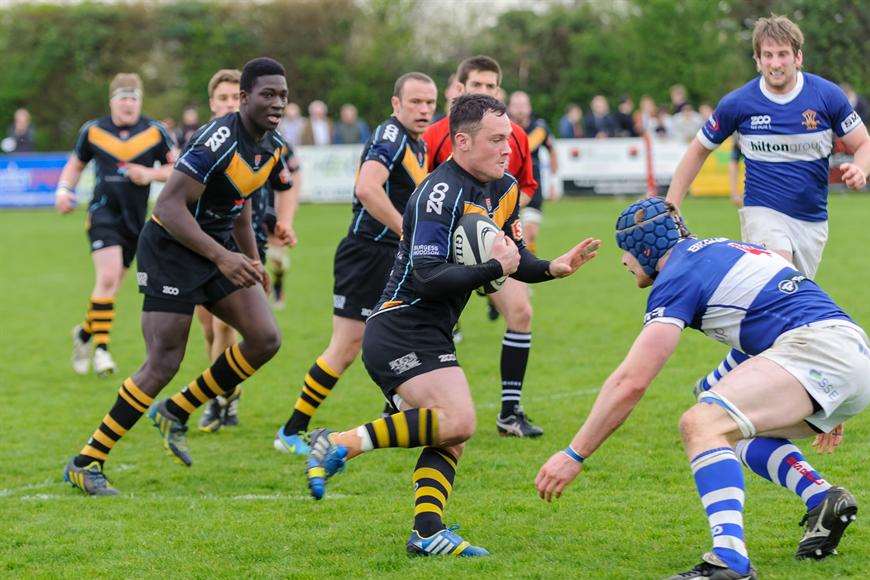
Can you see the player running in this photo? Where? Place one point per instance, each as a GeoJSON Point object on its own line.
{"type": "Point", "coordinates": [407, 347]}
{"type": "Point", "coordinates": [270, 230]}
{"type": "Point", "coordinates": [392, 165]}
{"type": "Point", "coordinates": [482, 75]}
{"type": "Point", "coordinates": [124, 146]}
{"type": "Point", "coordinates": [785, 121]}
{"type": "Point", "coordinates": [810, 371]}
{"type": "Point", "coordinates": [185, 260]}
{"type": "Point", "coordinates": [520, 111]}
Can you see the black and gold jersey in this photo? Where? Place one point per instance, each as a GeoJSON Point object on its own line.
{"type": "Point", "coordinates": [405, 158]}
{"type": "Point", "coordinates": [431, 217]}
{"type": "Point", "coordinates": [116, 199]}
{"type": "Point", "coordinates": [539, 135]}
{"type": "Point", "coordinates": [224, 157]}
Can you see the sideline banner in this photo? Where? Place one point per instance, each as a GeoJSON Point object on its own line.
{"type": "Point", "coordinates": [328, 172]}
{"type": "Point", "coordinates": [601, 166]}
{"type": "Point", "coordinates": [586, 167]}
{"type": "Point", "coordinates": [29, 179]}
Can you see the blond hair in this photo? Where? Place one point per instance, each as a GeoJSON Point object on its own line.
{"type": "Point", "coordinates": [225, 75]}
{"type": "Point", "coordinates": [125, 81]}
{"type": "Point", "coordinates": [778, 29]}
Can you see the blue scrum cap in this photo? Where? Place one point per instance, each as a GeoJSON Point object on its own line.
{"type": "Point", "coordinates": [647, 229]}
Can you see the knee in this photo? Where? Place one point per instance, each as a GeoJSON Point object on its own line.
{"type": "Point", "coordinates": [693, 425]}
{"type": "Point", "coordinates": [107, 283]}
{"type": "Point", "coordinates": [160, 369]}
{"type": "Point", "coordinates": [343, 350]}
{"type": "Point", "coordinates": [520, 316]}
{"type": "Point", "coordinates": [457, 426]}
{"type": "Point", "coordinates": [349, 351]}
{"type": "Point", "coordinates": [271, 342]}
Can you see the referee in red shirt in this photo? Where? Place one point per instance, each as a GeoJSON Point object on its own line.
{"type": "Point", "coordinates": [482, 75]}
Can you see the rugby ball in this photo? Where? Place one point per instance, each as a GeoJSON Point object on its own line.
{"type": "Point", "coordinates": [472, 244]}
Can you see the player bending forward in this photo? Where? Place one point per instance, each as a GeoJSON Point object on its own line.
{"type": "Point", "coordinates": [407, 345]}
{"type": "Point", "coordinates": [810, 371]}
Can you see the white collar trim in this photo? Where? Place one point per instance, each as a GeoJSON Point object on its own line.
{"type": "Point", "coordinates": [786, 98]}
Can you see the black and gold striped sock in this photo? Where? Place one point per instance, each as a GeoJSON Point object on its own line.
{"type": "Point", "coordinates": [411, 428]}
{"type": "Point", "coordinates": [128, 407]}
{"type": "Point", "coordinates": [433, 482]}
{"type": "Point", "coordinates": [317, 386]}
{"type": "Point", "coordinates": [221, 378]}
{"type": "Point", "coordinates": [99, 321]}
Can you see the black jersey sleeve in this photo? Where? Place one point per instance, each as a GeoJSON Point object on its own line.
{"type": "Point", "coordinates": [388, 143]}
{"type": "Point", "coordinates": [439, 279]}
{"type": "Point", "coordinates": [83, 149]}
{"type": "Point", "coordinates": [209, 151]}
{"type": "Point", "coordinates": [532, 269]}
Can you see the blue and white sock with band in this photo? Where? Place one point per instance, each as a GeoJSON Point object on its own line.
{"type": "Point", "coordinates": [734, 358]}
{"type": "Point", "coordinates": [780, 461]}
{"type": "Point", "coordinates": [719, 479]}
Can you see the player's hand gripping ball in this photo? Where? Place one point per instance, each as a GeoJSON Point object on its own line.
{"type": "Point", "coordinates": [472, 244]}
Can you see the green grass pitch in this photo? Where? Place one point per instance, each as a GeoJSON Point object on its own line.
{"type": "Point", "coordinates": [242, 510]}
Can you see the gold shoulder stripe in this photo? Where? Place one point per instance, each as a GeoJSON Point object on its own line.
{"type": "Point", "coordinates": [471, 208]}
{"type": "Point", "coordinates": [417, 172]}
{"type": "Point", "coordinates": [506, 206]}
{"type": "Point", "coordinates": [124, 150]}
{"type": "Point", "coordinates": [244, 179]}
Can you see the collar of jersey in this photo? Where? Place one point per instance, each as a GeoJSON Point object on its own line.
{"type": "Point", "coordinates": [461, 170]}
{"type": "Point", "coordinates": [786, 98]}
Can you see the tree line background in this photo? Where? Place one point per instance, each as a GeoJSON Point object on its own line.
{"type": "Point", "coordinates": [57, 60]}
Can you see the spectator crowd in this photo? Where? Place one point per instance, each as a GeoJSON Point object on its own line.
{"type": "Point", "coordinates": [677, 120]}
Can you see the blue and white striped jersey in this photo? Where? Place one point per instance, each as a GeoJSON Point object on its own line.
{"type": "Point", "coordinates": [786, 139]}
{"type": "Point", "coordinates": [736, 293]}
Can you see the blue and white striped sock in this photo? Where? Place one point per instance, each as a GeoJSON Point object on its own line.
{"type": "Point", "coordinates": [734, 358]}
{"type": "Point", "coordinates": [719, 479]}
{"type": "Point", "coordinates": [780, 461]}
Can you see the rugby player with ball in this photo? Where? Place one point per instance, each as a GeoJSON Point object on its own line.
{"type": "Point", "coordinates": [468, 203]}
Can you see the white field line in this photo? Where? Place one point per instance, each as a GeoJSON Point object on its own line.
{"type": "Point", "coordinates": [160, 497]}
{"type": "Point", "coordinates": [256, 497]}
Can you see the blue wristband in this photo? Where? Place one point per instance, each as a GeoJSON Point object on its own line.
{"type": "Point", "coordinates": [569, 451]}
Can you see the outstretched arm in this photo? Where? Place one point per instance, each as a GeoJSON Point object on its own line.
{"type": "Point", "coordinates": [686, 171]}
{"type": "Point", "coordinates": [621, 392]}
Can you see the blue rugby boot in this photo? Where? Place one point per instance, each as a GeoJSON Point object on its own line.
{"type": "Point", "coordinates": [89, 479]}
{"type": "Point", "coordinates": [324, 460]}
{"type": "Point", "coordinates": [444, 543]}
{"type": "Point", "coordinates": [172, 431]}
{"type": "Point", "coordinates": [296, 444]}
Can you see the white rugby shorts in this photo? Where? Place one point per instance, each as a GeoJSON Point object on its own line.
{"type": "Point", "coordinates": [776, 231]}
{"type": "Point", "coordinates": [831, 359]}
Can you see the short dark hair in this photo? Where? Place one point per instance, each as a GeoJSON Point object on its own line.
{"type": "Point", "coordinates": [411, 76]}
{"type": "Point", "coordinates": [468, 111]}
{"type": "Point", "coordinates": [259, 67]}
{"type": "Point", "coordinates": [481, 62]}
